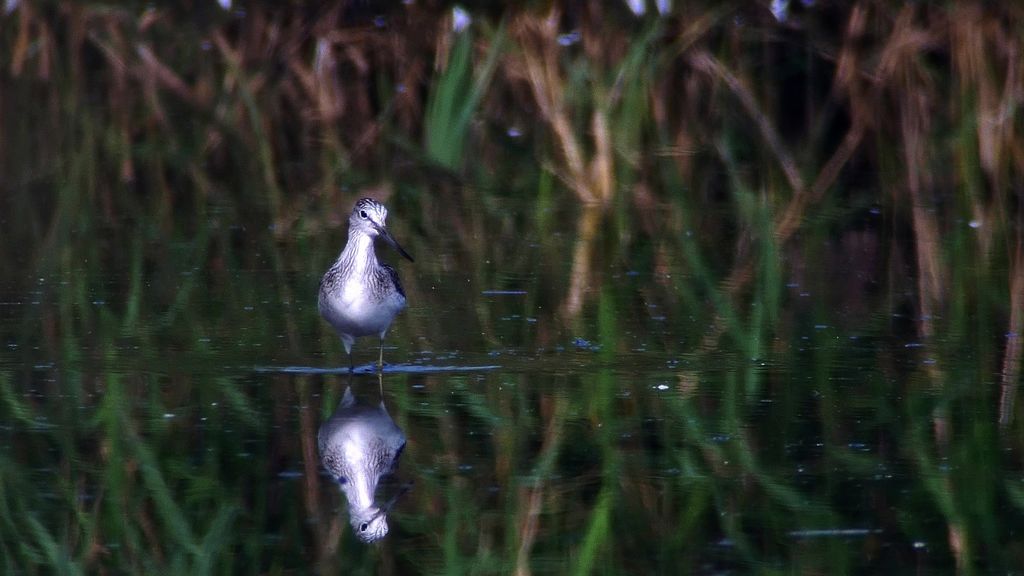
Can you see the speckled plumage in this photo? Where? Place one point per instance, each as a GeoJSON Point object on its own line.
{"type": "Point", "coordinates": [359, 295]}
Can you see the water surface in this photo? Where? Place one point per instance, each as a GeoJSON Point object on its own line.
{"type": "Point", "coordinates": [727, 291]}
{"type": "Point", "coordinates": [623, 437]}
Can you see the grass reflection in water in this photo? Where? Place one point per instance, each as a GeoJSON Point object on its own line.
{"type": "Point", "coordinates": [695, 292]}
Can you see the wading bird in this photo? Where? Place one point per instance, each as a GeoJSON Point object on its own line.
{"type": "Point", "coordinates": [359, 295]}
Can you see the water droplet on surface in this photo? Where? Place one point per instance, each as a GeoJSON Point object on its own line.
{"type": "Point", "coordinates": [569, 38]}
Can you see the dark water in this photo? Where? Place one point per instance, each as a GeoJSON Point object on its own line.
{"type": "Point", "coordinates": [160, 406]}
{"type": "Point", "coordinates": [720, 291]}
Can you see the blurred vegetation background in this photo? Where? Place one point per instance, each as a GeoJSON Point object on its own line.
{"type": "Point", "coordinates": [683, 192]}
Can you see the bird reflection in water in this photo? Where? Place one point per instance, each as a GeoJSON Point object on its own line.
{"type": "Point", "coordinates": [359, 444]}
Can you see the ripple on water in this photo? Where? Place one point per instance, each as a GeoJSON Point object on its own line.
{"type": "Point", "coordinates": [372, 369]}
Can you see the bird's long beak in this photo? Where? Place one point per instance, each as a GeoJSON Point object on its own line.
{"type": "Point", "coordinates": [394, 500]}
{"type": "Point", "coordinates": [391, 240]}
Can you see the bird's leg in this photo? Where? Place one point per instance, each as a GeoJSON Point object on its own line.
{"type": "Point", "coordinates": [380, 361]}
{"type": "Point", "coordinates": [347, 342]}
{"type": "Point", "coordinates": [380, 384]}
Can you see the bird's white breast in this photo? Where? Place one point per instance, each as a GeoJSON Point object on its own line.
{"type": "Point", "coordinates": [355, 310]}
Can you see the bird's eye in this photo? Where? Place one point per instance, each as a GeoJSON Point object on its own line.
{"type": "Point", "coordinates": [342, 480]}
{"type": "Point", "coordinates": [363, 527]}
{"type": "Point", "coordinates": [362, 214]}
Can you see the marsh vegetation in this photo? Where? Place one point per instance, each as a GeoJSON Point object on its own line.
{"type": "Point", "coordinates": [712, 290]}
